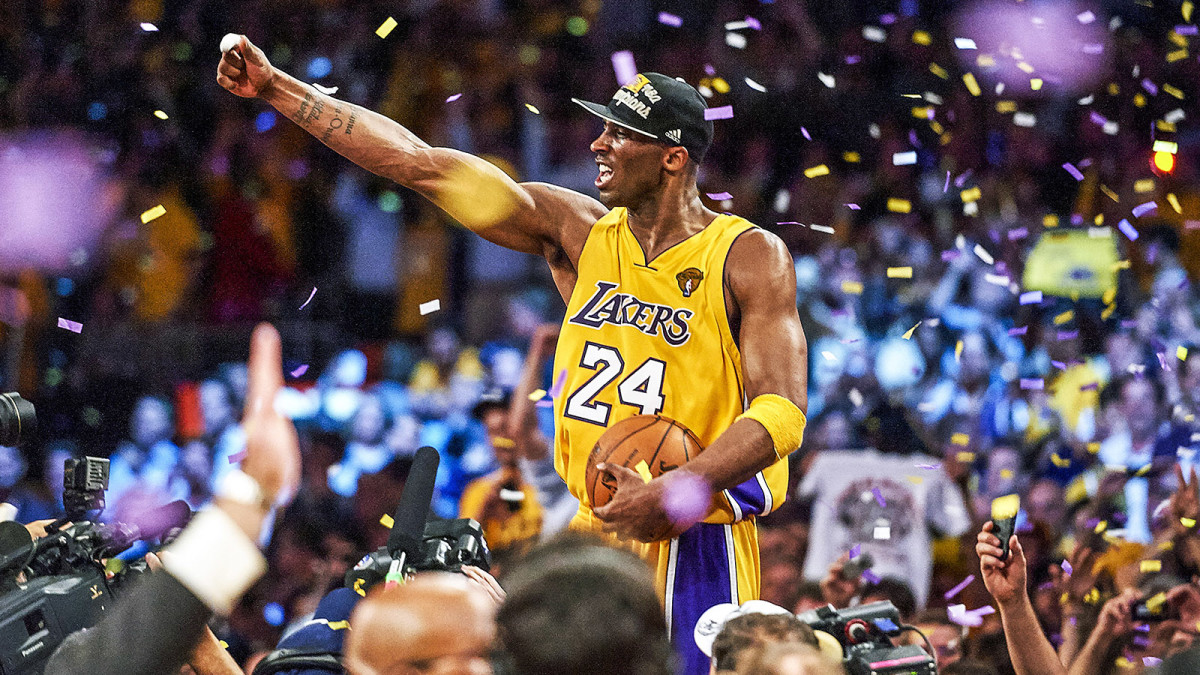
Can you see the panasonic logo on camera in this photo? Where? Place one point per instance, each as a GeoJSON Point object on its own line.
{"type": "Point", "coordinates": [31, 649]}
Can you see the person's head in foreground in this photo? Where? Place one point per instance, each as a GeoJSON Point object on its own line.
{"type": "Point", "coordinates": [786, 658]}
{"type": "Point", "coordinates": [437, 623]}
{"type": "Point", "coordinates": [655, 136]}
{"type": "Point", "coordinates": [727, 631]}
{"type": "Point", "coordinates": [577, 606]}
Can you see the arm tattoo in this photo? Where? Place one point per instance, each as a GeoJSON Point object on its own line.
{"type": "Point", "coordinates": [299, 117]}
{"type": "Point", "coordinates": [313, 106]}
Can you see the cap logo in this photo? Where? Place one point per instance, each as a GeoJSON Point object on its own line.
{"type": "Point", "coordinates": [640, 83]}
{"type": "Point", "coordinates": [675, 135]}
{"type": "Point", "coordinates": [631, 101]}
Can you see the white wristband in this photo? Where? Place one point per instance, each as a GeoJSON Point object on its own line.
{"type": "Point", "coordinates": [215, 560]}
{"type": "Point", "coordinates": [239, 486]}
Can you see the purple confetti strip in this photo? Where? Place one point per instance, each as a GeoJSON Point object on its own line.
{"type": "Point", "coordinates": [804, 132]}
{"type": "Point", "coordinates": [1066, 567]}
{"type": "Point", "coordinates": [929, 467]}
{"type": "Point", "coordinates": [1018, 233]}
{"type": "Point", "coordinates": [1090, 386]}
{"type": "Point", "coordinates": [1186, 29]}
{"type": "Point", "coordinates": [947, 185]}
{"type": "Point", "coordinates": [453, 97]}
{"type": "Point", "coordinates": [879, 497]}
{"type": "Point", "coordinates": [887, 19]}
{"type": "Point", "coordinates": [913, 140]}
{"type": "Point", "coordinates": [753, 23]}
{"type": "Point", "coordinates": [1127, 229]}
{"type": "Point", "coordinates": [1142, 209]}
{"type": "Point", "coordinates": [624, 67]}
{"type": "Point", "coordinates": [237, 457]}
{"type": "Point", "coordinates": [1059, 364]}
{"type": "Point", "coordinates": [959, 588]}
{"type": "Point", "coordinates": [1128, 323]}
{"type": "Point", "coordinates": [1031, 297]}
{"type": "Point", "coordinates": [962, 178]}
{"type": "Point", "coordinates": [721, 113]}
{"type": "Point", "coordinates": [544, 403]}
{"type": "Point", "coordinates": [1154, 661]}
{"type": "Point", "coordinates": [668, 19]}
{"type": "Point", "coordinates": [73, 326]}
{"type": "Point", "coordinates": [1034, 383]}
{"type": "Point", "coordinates": [719, 196]}
{"type": "Point", "coordinates": [1070, 168]}
{"type": "Point", "coordinates": [709, 70]}
{"type": "Point", "coordinates": [853, 207]}
{"type": "Point", "coordinates": [983, 611]}
{"type": "Point", "coordinates": [299, 371]}
{"type": "Point", "coordinates": [1149, 86]}
{"type": "Point", "coordinates": [1162, 362]}
{"type": "Point", "coordinates": [1093, 48]}
{"type": "Point", "coordinates": [1067, 335]}
{"type": "Point", "coordinates": [310, 297]}
{"type": "Point", "coordinates": [787, 222]}
{"type": "Point", "coordinates": [952, 254]}
{"type": "Point", "coordinates": [1020, 330]}
{"type": "Point", "coordinates": [1097, 118]}
{"type": "Point", "coordinates": [852, 59]}
{"type": "Point", "coordinates": [855, 550]}
{"type": "Point", "coordinates": [559, 381]}
{"type": "Point", "coordinates": [870, 577]}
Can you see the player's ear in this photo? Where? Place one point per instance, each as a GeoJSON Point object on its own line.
{"type": "Point", "coordinates": [675, 158]}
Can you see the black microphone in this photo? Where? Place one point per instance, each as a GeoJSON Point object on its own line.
{"type": "Point", "coordinates": [408, 530]}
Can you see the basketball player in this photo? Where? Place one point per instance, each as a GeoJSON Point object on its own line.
{"type": "Point", "coordinates": [671, 308]}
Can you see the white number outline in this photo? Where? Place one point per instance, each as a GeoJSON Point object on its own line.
{"type": "Point", "coordinates": [609, 365]}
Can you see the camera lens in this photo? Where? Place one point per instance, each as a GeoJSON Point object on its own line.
{"type": "Point", "coordinates": [17, 419]}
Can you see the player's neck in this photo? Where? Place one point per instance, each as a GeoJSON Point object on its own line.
{"type": "Point", "coordinates": [666, 219]}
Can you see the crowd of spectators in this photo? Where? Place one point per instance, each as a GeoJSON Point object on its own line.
{"type": "Point", "coordinates": [1001, 312]}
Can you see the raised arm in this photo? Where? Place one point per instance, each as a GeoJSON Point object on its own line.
{"type": "Point", "coordinates": [761, 280]}
{"type": "Point", "coordinates": [529, 217]}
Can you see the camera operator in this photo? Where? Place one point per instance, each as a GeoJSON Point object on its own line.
{"type": "Point", "coordinates": [155, 628]}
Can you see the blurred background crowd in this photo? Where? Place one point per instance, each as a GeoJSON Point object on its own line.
{"type": "Point", "coordinates": [992, 206]}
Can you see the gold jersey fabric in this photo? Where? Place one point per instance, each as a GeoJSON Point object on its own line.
{"type": "Point", "coordinates": [653, 338]}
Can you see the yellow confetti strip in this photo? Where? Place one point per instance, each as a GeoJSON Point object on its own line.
{"type": "Point", "coordinates": [387, 27]}
{"type": "Point", "coordinates": [921, 37]}
{"type": "Point", "coordinates": [1006, 107]}
{"type": "Point", "coordinates": [899, 205]}
{"type": "Point", "coordinates": [532, 109]}
{"type": "Point", "coordinates": [1092, 597]}
{"type": "Point", "coordinates": [1177, 55]}
{"type": "Point", "coordinates": [985, 61]}
{"type": "Point", "coordinates": [818, 170]}
{"type": "Point", "coordinates": [971, 195]}
{"type": "Point", "coordinates": [537, 394]}
{"type": "Point", "coordinates": [1114, 89]}
{"type": "Point", "coordinates": [1059, 461]}
{"type": "Point", "coordinates": [1122, 265]}
{"type": "Point", "coordinates": [1109, 193]}
{"type": "Point", "coordinates": [1166, 146]}
{"type": "Point", "coordinates": [1144, 185]}
{"type": "Point", "coordinates": [1035, 83]}
{"type": "Point", "coordinates": [1049, 220]}
{"type": "Point", "coordinates": [923, 113]}
{"type": "Point", "coordinates": [960, 438]}
{"type": "Point", "coordinates": [1181, 353]}
{"type": "Point", "coordinates": [1064, 317]}
{"type": "Point", "coordinates": [1139, 100]}
{"type": "Point", "coordinates": [852, 287]}
{"type": "Point", "coordinates": [720, 85]}
{"type": "Point", "coordinates": [851, 157]}
{"type": "Point", "coordinates": [1108, 311]}
{"type": "Point", "coordinates": [153, 213]}
{"type": "Point", "coordinates": [899, 272]}
{"type": "Point", "coordinates": [958, 347]}
{"type": "Point", "coordinates": [1186, 10]}
{"type": "Point", "coordinates": [1093, 447]}
{"type": "Point", "coordinates": [338, 625]}
{"type": "Point", "coordinates": [1099, 219]}
{"type": "Point", "coordinates": [1157, 601]}
{"type": "Point", "coordinates": [1151, 566]}
{"type": "Point", "coordinates": [224, 644]}
{"type": "Point", "coordinates": [939, 71]}
{"type": "Point", "coordinates": [965, 457]}
{"type": "Point", "coordinates": [972, 85]}
{"type": "Point", "coordinates": [1006, 474]}
{"type": "Point", "coordinates": [1100, 527]}
{"type": "Point", "coordinates": [160, 114]}
{"type": "Point", "coordinates": [1142, 471]}
{"type": "Point", "coordinates": [643, 471]}
{"type": "Point", "coordinates": [1174, 202]}
{"type": "Point", "coordinates": [915, 480]}
{"type": "Point", "coordinates": [1164, 125]}
{"type": "Point", "coordinates": [500, 442]}
{"type": "Point", "coordinates": [386, 521]}
{"type": "Point", "coordinates": [1189, 523]}
{"type": "Point", "coordinates": [1176, 38]}
{"type": "Point", "coordinates": [1110, 294]}
{"type": "Point", "coordinates": [909, 333]}
{"type": "Point", "coordinates": [1166, 545]}
{"type": "Point", "coordinates": [1173, 91]}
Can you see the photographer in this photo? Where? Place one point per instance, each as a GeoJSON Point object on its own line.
{"type": "Point", "coordinates": [155, 628]}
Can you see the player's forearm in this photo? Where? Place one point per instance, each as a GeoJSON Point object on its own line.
{"type": "Point", "coordinates": [210, 658]}
{"type": "Point", "coordinates": [1031, 652]}
{"type": "Point", "coordinates": [370, 140]}
{"type": "Point", "coordinates": [742, 451]}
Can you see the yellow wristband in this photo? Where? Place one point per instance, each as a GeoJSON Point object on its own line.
{"type": "Point", "coordinates": [781, 418]}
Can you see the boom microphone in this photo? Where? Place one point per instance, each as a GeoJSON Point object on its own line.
{"type": "Point", "coordinates": [408, 530]}
{"type": "Point", "coordinates": [152, 524]}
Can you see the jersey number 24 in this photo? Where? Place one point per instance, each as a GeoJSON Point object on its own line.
{"type": "Point", "coordinates": [641, 388]}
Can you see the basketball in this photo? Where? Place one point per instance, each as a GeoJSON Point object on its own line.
{"type": "Point", "coordinates": [662, 443]}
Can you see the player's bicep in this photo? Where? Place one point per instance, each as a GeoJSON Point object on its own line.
{"type": "Point", "coordinates": [774, 350]}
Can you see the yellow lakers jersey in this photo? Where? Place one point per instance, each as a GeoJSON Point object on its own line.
{"type": "Point", "coordinates": [653, 337]}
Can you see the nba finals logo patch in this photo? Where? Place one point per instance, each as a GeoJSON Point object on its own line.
{"type": "Point", "coordinates": [689, 280]}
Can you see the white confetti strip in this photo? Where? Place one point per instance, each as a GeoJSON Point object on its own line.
{"type": "Point", "coordinates": [430, 307]}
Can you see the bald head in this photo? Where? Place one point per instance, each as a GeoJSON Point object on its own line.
{"type": "Point", "coordinates": [437, 623]}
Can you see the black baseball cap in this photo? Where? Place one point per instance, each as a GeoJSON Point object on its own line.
{"type": "Point", "coordinates": [664, 108]}
{"type": "Point", "coordinates": [495, 399]}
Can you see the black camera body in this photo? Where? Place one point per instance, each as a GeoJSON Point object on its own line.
{"type": "Point", "coordinates": [865, 634]}
{"type": "Point", "coordinates": [446, 546]}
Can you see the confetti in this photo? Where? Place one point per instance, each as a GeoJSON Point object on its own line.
{"type": "Point", "coordinates": [854, 551]}
{"type": "Point", "coordinates": [899, 205]}
{"type": "Point", "coordinates": [964, 43]}
{"type": "Point", "coordinates": [827, 80]}
{"type": "Point", "coordinates": [73, 326]}
{"type": "Point", "coordinates": [972, 84]}
{"type": "Point", "coordinates": [870, 577]}
{"type": "Point", "coordinates": [721, 113]}
{"type": "Point", "coordinates": [1024, 119]}
{"type": "Point", "coordinates": [852, 287]}
{"type": "Point", "coordinates": [735, 40]}
{"type": "Point", "coordinates": [1174, 202]}
{"type": "Point", "coordinates": [1127, 229]}
{"type": "Point", "coordinates": [899, 272]}
{"type": "Point", "coordinates": [874, 34]}
{"type": "Point", "coordinates": [818, 170]}
{"type": "Point", "coordinates": [537, 394]}
{"type": "Point", "coordinates": [1070, 168]}
{"type": "Point", "coordinates": [1021, 330]}
{"type": "Point", "coordinates": [855, 397]}
{"type": "Point", "coordinates": [754, 85]}
{"type": "Point", "coordinates": [855, 207]}
{"type": "Point", "coordinates": [153, 213]}
{"type": "Point", "coordinates": [821, 228]}
{"type": "Point", "coordinates": [828, 355]}
{"type": "Point", "coordinates": [387, 27]}
{"type": "Point", "coordinates": [879, 497]}
{"type": "Point", "coordinates": [310, 297]}
{"type": "Point", "coordinates": [237, 457]}
{"type": "Point", "coordinates": [904, 158]}
{"type": "Point", "coordinates": [453, 97]}
{"type": "Point", "coordinates": [921, 37]}
{"type": "Point", "coordinates": [1031, 297]}
{"type": "Point", "coordinates": [386, 521]}
{"type": "Point", "coordinates": [531, 108]}
{"type": "Point", "coordinates": [300, 370]}
{"type": "Point", "coordinates": [958, 347]}
{"type": "Point", "coordinates": [668, 19]}
{"type": "Point", "coordinates": [329, 91]}
{"type": "Point", "coordinates": [959, 588]}
{"type": "Point", "coordinates": [804, 132]}
{"type": "Point", "coordinates": [964, 457]}
{"type": "Point", "coordinates": [719, 196]}
{"type": "Point", "coordinates": [1165, 146]}
{"type": "Point", "coordinates": [624, 67]}
{"type": "Point", "coordinates": [1151, 566]}
{"type": "Point", "coordinates": [882, 532]}
{"type": "Point", "coordinates": [544, 403]}
{"type": "Point", "coordinates": [1086, 17]}
{"type": "Point", "coordinates": [1109, 193]}
{"type": "Point", "coordinates": [909, 333]}
{"type": "Point", "coordinates": [1035, 384]}
{"type": "Point", "coordinates": [559, 381]}
{"type": "Point", "coordinates": [983, 255]}
{"type": "Point", "coordinates": [149, 27]}
{"type": "Point", "coordinates": [959, 438]}
{"type": "Point", "coordinates": [1142, 209]}
{"type": "Point", "coordinates": [1066, 316]}
{"type": "Point", "coordinates": [1181, 353]}
{"type": "Point", "coordinates": [430, 307]}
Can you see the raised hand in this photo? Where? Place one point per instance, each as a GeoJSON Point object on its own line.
{"type": "Point", "coordinates": [836, 588]}
{"type": "Point", "coordinates": [245, 70]}
{"type": "Point", "coordinates": [1116, 617]}
{"type": "Point", "coordinates": [1004, 579]}
{"type": "Point", "coordinates": [272, 450]}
